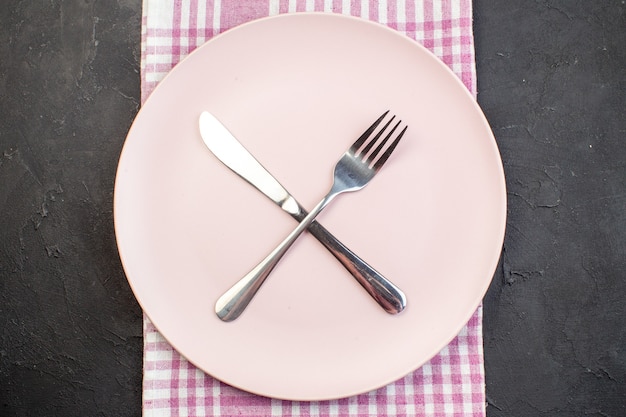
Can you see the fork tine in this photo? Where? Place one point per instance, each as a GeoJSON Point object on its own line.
{"type": "Point", "coordinates": [389, 150]}
{"type": "Point", "coordinates": [373, 141]}
{"type": "Point", "coordinates": [356, 145]}
{"type": "Point", "coordinates": [372, 156]}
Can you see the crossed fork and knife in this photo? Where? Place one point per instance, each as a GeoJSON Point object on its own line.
{"type": "Point", "coordinates": [358, 165]}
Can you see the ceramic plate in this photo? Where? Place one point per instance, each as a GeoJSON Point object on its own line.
{"type": "Point", "coordinates": [297, 90]}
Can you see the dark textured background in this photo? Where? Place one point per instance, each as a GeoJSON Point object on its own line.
{"type": "Point", "coordinates": [552, 82]}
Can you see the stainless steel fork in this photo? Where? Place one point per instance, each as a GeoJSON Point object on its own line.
{"type": "Point", "coordinates": [354, 170]}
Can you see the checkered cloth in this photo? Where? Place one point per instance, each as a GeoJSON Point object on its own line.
{"type": "Point", "coordinates": [450, 384]}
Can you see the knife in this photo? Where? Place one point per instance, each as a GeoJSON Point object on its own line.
{"type": "Point", "coordinates": [235, 156]}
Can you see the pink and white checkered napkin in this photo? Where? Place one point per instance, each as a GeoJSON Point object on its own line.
{"type": "Point", "coordinates": [450, 384]}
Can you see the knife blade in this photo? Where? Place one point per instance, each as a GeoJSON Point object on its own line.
{"type": "Point", "coordinates": [225, 146]}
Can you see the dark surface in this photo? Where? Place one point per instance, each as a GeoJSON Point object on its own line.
{"type": "Point", "coordinates": [70, 328]}
{"type": "Point", "coordinates": [552, 82]}
{"type": "Point", "coordinates": [551, 78]}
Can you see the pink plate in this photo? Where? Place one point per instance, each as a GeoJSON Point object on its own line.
{"type": "Point", "coordinates": [297, 90]}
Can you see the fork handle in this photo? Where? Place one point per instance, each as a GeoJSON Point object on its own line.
{"type": "Point", "coordinates": [234, 301]}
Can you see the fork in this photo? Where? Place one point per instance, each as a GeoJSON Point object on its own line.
{"type": "Point", "coordinates": [358, 165]}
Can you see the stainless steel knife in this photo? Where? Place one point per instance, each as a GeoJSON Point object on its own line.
{"type": "Point", "coordinates": [236, 157]}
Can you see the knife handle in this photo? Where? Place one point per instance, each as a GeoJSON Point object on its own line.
{"type": "Point", "coordinates": [386, 294]}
